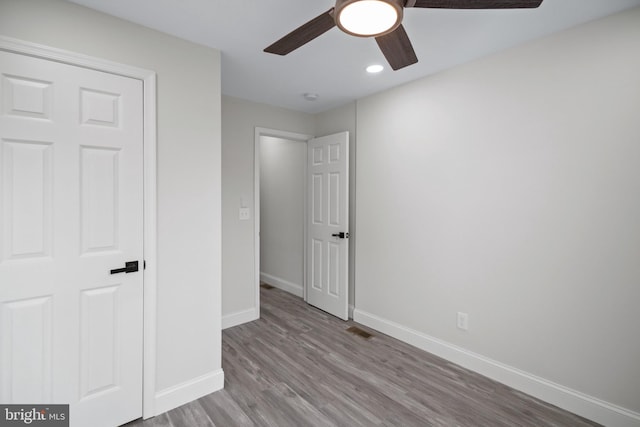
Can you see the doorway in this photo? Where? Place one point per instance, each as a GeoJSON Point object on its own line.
{"type": "Point", "coordinates": [306, 217]}
{"type": "Point", "coordinates": [282, 213]}
{"type": "Point", "coordinates": [262, 134]}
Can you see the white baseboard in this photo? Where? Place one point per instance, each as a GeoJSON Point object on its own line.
{"type": "Point", "coordinates": [279, 283]}
{"type": "Point", "coordinates": [239, 317]}
{"type": "Point", "coordinates": [571, 400]}
{"type": "Point", "coordinates": [351, 311]}
{"type": "Point", "coordinates": [188, 391]}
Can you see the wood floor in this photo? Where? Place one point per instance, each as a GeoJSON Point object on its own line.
{"type": "Point", "coordinates": [298, 366]}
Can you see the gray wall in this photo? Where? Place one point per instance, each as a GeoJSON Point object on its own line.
{"type": "Point", "coordinates": [282, 208]}
{"type": "Point", "coordinates": [189, 182]}
{"type": "Point", "coordinates": [508, 188]}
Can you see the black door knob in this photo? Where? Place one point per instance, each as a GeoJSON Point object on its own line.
{"type": "Point", "coordinates": [129, 267]}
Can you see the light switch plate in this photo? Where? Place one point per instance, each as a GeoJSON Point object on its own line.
{"type": "Point", "coordinates": [244, 214]}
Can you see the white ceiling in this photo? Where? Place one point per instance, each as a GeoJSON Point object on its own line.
{"type": "Point", "coordinates": [333, 65]}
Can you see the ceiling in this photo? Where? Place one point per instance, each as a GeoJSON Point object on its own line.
{"type": "Point", "coordinates": [333, 65]}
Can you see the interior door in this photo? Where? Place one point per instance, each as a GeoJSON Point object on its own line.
{"type": "Point", "coordinates": [328, 224]}
{"type": "Point", "coordinates": [71, 210]}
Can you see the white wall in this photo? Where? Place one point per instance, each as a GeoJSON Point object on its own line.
{"type": "Point", "coordinates": [508, 188]}
{"type": "Point", "coordinates": [282, 212]}
{"type": "Point", "coordinates": [189, 182]}
{"type": "Point", "coordinates": [239, 120]}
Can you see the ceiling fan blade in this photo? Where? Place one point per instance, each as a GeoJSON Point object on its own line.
{"type": "Point", "coordinates": [396, 47]}
{"type": "Point", "coordinates": [475, 4]}
{"type": "Point", "coordinates": [303, 34]}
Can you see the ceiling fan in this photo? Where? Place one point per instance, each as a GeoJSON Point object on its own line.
{"type": "Point", "coordinates": [381, 19]}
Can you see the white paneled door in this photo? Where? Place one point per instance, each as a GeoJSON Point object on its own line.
{"type": "Point", "coordinates": [328, 224]}
{"type": "Point", "coordinates": [71, 210]}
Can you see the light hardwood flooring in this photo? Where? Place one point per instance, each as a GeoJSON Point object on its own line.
{"type": "Point", "coordinates": [298, 366]}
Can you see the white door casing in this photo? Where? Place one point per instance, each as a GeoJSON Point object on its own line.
{"type": "Point", "coordinates": [328, 215]}
{"type": "Point", "coordinates": [71, 209]}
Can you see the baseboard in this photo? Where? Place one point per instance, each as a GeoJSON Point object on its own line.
{"type": "Point", "coordinates": [188, 391]}
{"type": "Point", "coordinates": [239, 317]}
{"type": "Point", "coordinates": [351, 308]}
{"type": "Point", "coordinates": [571, 400]}
{"type": "Point", "coordinates": [279, 283]}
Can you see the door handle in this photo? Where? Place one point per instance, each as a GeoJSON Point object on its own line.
{"type": "Point", "coordinates": [341, 235]}
{"type": "Point", "coordinates": [129, 267]}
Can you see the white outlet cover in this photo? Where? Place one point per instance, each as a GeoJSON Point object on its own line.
{"type": "Point", "coordinates": [463, 321]}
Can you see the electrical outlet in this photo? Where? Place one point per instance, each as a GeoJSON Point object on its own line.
{"type": "Point", "coordinates": [244, 214]}
{"type": "Point", "coordinates": [463, 321]}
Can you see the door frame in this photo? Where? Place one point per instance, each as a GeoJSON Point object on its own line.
{"type": "Point", "coordinates": [291, 136]}
{"type": "Point", "coordinates": [148, 79]}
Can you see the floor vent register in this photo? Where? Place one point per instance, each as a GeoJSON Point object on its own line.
{"type": "Point", "coordinates": [361, 333]}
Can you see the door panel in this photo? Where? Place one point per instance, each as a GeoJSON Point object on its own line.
{"type": "Point", "coordinates": [27, 198]}
{"type": "Point", "coordinates": [99, 361]}
{"type": "Point", "coordinates": [333, 288]}
{"type": "Point", "coordinates": [27, 351]}
{"type": "Point", "coordinates": [99, 199]}
{"type": "Point", "coordinates": [333, 199]}
{"type": "Point", "coordinates": [316, 199]}
{"type": "Point", "coordinates": [26, 97]}
{"type": "Point", "coordinates": [71, 210]}
{"type": "Point", "coordinates": [328, 207]}
{"type": "Point", "coordinates": [316, 264]}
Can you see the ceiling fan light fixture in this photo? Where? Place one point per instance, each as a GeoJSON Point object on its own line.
{"type": "Point", "coordinates": [368, 18]}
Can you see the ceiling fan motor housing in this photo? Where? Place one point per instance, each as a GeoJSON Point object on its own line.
{"type": "Point", "coordinates": [398, 5]}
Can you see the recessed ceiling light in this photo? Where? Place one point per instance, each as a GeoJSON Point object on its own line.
{"type": "Point", "coordinates": [375, 68]}
{"type": "Point", "coordinates": [310, 96]}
